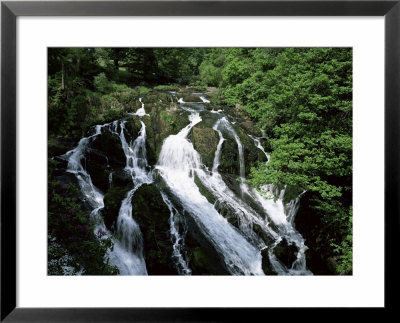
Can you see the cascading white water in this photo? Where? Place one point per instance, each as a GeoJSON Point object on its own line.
{"type": "Point", "coordinates": [141, 112]}
{"type": "Point", "coordinates": [136, 165]}
{"type": "Point", "coordinates": [283, 217]}
{"type": "Point", "coordinates": [204, 99]}
{"type": "Point", "coordinates": [119, 256]}
{"type": "Point", "coordinates": [257, 143]}
{"type": "Point", "coordinates": [177, 164]}
{"type": "Point", "coordinates": [246, 215]}
{"type": "Point", "coordinates": [177, 239]}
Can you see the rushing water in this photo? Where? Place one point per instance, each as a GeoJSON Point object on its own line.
{"type": "Point", "coordinates": [178, 165]}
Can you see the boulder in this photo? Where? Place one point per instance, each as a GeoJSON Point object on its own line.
{"type": "Point", "coordinates": [266, 264]}
{"type": "Point", "coordinates": [111, 150]}
{"type": "Point", "coordinates": [286, 252]}
{"type": "Point", "coordinates": [96, 164]}
{"type": "Point", "coordinates": [205, 141]}
{"type": "Point", "coordinates": [112, 204]}
{"type": "Point", "coordinates": [152, 215]}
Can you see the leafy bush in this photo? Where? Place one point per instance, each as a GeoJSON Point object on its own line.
{"type": "Point", "coordinates": [74, 247]}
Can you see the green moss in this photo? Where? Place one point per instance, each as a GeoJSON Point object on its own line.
{"type": "Point", "coordinates": [168, 118]}
{"type": "Point", "coordinates": [204, 191]}
{"type": "Point", "coordinates": [169, 87]}
{"type": "Point", "coordinates": [229, 158]}
{"type": "Point", "coordinates": [158, 128]}
{"type": "Point", "coordinates": [205, 141]}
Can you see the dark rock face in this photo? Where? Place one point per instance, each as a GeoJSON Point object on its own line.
{"type": "Point", "coordinates": [203, 258]}
{"type": "Point", "coordinates": [111, 150]}
{"type": "Point", "coordinates": [121, 178]}
{"type": "Point", "coordinates": [112, 204]}
{"type": "Point", "coordinates": [152, 215]}
{"type": "Point", "coordinates": [96, 164]}
{"type": "Point", "coordinates": [310, 226]}
{"type": "Point", "coordinates": [286, 253]}
{"type": "Point", "coordinates": [229, 158]}
{"type": "Point", "coordinates": [266, 264]}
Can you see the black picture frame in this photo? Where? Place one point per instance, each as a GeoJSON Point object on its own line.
{"type": "Point", "coordinates": [10, 10]}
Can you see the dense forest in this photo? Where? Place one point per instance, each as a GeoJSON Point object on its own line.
{"type": "Point", "coordinates": [298, 100]}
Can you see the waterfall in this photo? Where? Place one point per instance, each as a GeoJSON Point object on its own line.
{"type": "Point", "coordinates": [204, 99]}
{"type": "Point", "coordinates": [283, 217]}
{"type": "Point", "coordinates": [136, 165]}
{"type": "Point", "coordinates": [177, 164]}
{"type": "Point", "coordinates": [119, 256]}
{"type": "Point", "coordinates": [177, 239]}
{"type": "Point", "coordinates": [257, 143]}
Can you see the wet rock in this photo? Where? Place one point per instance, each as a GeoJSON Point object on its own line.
{"type": "Point", "coordinates": [96, 164]}
{"type": "Point", "coordinates": [266, 264]}
{"type": "Point", "coordinates": [229, 158]}
{"type": "Point", "coordinates": [205, 141]}
{"type": "Point", "coordinates": [112, 204]}
{"type": "Point", "coordinates": [152, 215]}
{"type": "Point", "coordinates": [191, 98]}
{"type": "Point", "coordinates": [202, 256]}
{"type": "Point", "coordinates": [111, 150]}
{"type": "Point", "coordinates": [250, 127]}
{"type": "Point", "coordinates": [121, 178]}
{"type": "Point", "coordinates": [286, 253]}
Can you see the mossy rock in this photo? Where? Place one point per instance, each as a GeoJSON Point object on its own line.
{"type": "Point", "coordinates": [191, 98]}
{"type": "Point", "coordinates": [208, 119]}
{"type": "Point", "coordinates": [152, 215]}
{"type": "Point", "coordinates": [121, 178]}
{"type": "Point", "coordinates": [132, 128]}
{"type": "Point", "coordinates": [229, 158]}
{"type": "Point", "coordinates": [162, 123]}
{"type": "Point", "coordinates": [250, 127]}
{"type": "Point", "coordinates": [204, 191]}
{"type": "Point", "coordinates": [205, 141]}
{"type": "Point", "coordinates": [112, 204]}
{"type": "Point", "coordinates": [252, 155]}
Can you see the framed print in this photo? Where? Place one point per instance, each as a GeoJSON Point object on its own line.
{"type": "Point", "coordinates": [250, 145]}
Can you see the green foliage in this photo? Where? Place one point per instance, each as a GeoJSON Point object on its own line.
{"type": "Point", "coordinates": [167, 117]}
{"type": "Point", "coordinates": [72, 240]}
{"type": "Point", "coordinates": [142, 90]}
{"type": "Point", "coordinates": [102, 84]}
{"type": "Point", "coordinates": [169, 87]}
{"type": "Point", "coordinates": [302, 99]}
